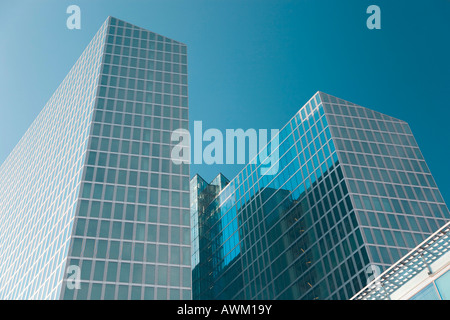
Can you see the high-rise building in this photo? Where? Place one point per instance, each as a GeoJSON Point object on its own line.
{"type": "Point", "coordinates": [90, 192]}
{"type": "Point", "coordinates": [352, 195]}
{"type": "Point", "coordinates": [202, 194]}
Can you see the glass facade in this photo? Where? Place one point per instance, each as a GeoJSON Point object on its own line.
{"type": "Point", "coordinates": [397, 202]}
{"type": "Point", "coordinates": [39, 184]}
{"type": "Point", "coordinates": [350, 181]}
{"type": "Point", "coordinates": [126, 223]}
{"type": "Point", "coordinates": [202, 193]}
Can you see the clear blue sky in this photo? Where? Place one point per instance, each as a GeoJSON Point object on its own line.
{"type": "Point", "coordinates": [251, 64]}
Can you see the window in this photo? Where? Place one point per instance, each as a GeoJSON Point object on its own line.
{"type": "Point", "coordinates": [443, 285]}
{"type": "Point", "coordinates": [428, 293]}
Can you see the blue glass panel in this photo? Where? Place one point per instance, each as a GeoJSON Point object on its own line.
{"type": "Point", "coordinates": [428, 293]}
{"type": "Point", "coordinates": [443, 285]}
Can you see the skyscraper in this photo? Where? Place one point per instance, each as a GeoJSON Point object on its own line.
{"type": "Point", "coordinates": [352, 191]}
{"type": "Point", "coordinates": [90, 192]}
{"type": "Point", "coordinates": [202, 195]}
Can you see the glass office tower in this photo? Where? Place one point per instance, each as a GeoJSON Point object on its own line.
{"type": "Point", "coordinates": [352, 191]}
{"type": "Point", "coordinates": [202, 194]}
{"type": "Point", "coordinates": [90, 190]}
